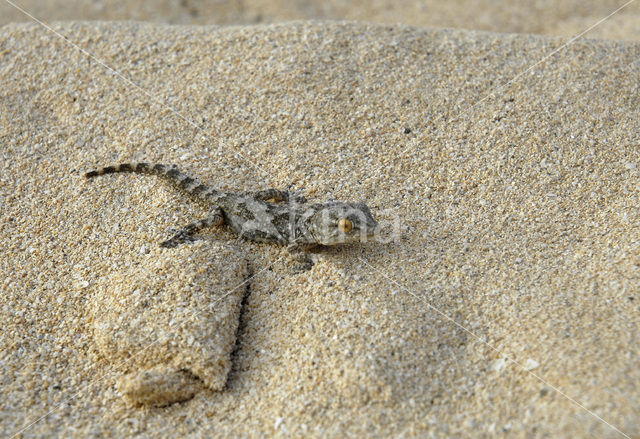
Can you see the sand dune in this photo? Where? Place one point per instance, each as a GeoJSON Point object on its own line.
{"type": "Point", "coordinates": [505, 304]}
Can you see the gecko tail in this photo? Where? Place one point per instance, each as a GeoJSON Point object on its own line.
{"type": "Point", "coordinates": [140, 168]}
{"type": "Point", "coordinates": [171, 173]}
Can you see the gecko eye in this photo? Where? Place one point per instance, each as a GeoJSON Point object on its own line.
{"type": "Point", "coordinates": [345, 225]}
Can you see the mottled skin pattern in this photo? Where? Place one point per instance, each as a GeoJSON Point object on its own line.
{"type": "Point", "coordinates": [265, 216]}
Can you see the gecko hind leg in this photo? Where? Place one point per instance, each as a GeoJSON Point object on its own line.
{"type": "Point", "coordinates": [277, 195]}
{"type": "Point", "coordinates": [215, 218]}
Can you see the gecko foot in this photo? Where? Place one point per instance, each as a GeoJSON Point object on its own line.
{"type": "Point", "coordinates": [214, 218]}
{"type": "Point", "coordinates": [179, 238]}
{"type": "Point", "coordinates": [303, 262]}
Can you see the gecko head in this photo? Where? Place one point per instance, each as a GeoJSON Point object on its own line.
{"type": "Point", "coordinates": [337, 223]}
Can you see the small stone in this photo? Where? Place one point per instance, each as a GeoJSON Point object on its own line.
{"type": "Point", "coordinates": [531, 364]}
{"type": "Point", "coordinates": [499, 365]}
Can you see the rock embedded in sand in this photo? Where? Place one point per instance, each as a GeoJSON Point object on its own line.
{"type": "Point", "coordinates": [169, 321]}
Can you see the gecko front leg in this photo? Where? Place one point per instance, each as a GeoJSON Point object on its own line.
{"type": "Point", "coordinates": [215, 218]}
{"type": "Point", "coordinates": [303, 261]}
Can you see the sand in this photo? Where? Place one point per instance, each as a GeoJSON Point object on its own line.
{"type": "Point", "coordinates": [502, 301]}
{"type": "Point", "coordinates": [563, 18]}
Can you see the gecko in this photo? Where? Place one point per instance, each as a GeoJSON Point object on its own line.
{"type": "Point", "coordinates": [269, 216]}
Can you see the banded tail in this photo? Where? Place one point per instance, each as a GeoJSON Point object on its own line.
{"type": "Point", "coordinates": [171, 173]}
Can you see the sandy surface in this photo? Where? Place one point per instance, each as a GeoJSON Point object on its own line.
{"type": "Point", "coordinates": [516, 216]}
{"type": "Point", "coordinates": [563, 17]}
